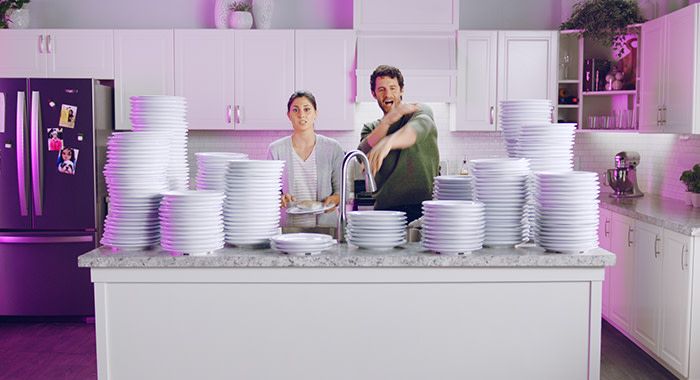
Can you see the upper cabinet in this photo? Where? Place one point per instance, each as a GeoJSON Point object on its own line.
{"type": "Point", "coordinates": [503, 65]}
{"type": "Point", "coordinates": [426, 60]}
{"type": "Point", "coordinates": [406, 15]}
{"type": "Point", "coordinates": [669, 73]}
{"type": "Point", "coordinates": [143, 66]}
{"type": "Point", "coordinates": [57, 53]}
{"type": "Point", "coordinates": [243, 79]}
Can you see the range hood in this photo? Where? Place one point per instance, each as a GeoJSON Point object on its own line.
{"type": "Point", "coordinates": [427, 60]}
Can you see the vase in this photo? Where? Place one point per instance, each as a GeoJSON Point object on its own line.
{"type": "Point", "coordinates": [221, 14]}
{"type": "Point", "coordinates": [695, 198]}
{"type": "Point", "coordinates": [240, 20]}
{"type": "Point", "coordinates": [688, 198]}
{"type": "Point", "coordinates": [262, 13]}
{"type": "Point", "coordinates": [17, 18]}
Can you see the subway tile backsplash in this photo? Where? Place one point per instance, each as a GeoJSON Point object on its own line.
{"type": "Point", "coordinates": [663, 156]}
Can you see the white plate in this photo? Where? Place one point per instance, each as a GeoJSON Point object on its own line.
{"type": "Point", "coordinates": [301, 211]}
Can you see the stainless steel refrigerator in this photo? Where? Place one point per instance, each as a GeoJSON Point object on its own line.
{"type": "Point", "coordinates": [49, 203]}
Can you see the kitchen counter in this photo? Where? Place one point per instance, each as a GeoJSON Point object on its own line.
{"type": "Point", "coordinates": [348, 314]}
{"type": "Point", "coordinates": [412, 255]}
{"type": "Point", "coordinates": [668, 213]}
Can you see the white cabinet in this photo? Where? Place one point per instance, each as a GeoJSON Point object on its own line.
{"type": "Point", "coordinates": [57, 53]}
{"type": "Point", "coordinates": [669, 61]}
{"type": "Point", "coordinates": [406, 15]}
{"type": "Point", "coordinates": [675, 302]}
{"type": "Point", "coordinates": [143, 66]}
{"type": "Point", "coordinates": [324, 64]}
{"type": "Point", "coordinates": [476, 81]}
{"type": "Point", "coordinates": [523, 65]}
{"type": "Point", "coordinates": [204, 75]}
{"type": "Point", "coordinates": [621, 275]}
{"type": "Point", "coordinates": [604, 241]}
{"type": "Point", "coordinates": [647, 284]}
{"type": "Point", "coordinates": [264, 76]}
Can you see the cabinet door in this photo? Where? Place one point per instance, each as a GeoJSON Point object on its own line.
{"type": "Point", "coordinates": [647, 284]}
{"type": "Point", "coordinates": [80, 53]}
{"type": "Point", "coordinates": [476, 80]}
{"type": "Point", "coordinates": [264, 75]}
{"type": "Point", "coordinates": [24, 54]}
{"type": "Point", "coordinates": [324, 65]}
{"type": "Point", "coordinates": [143, 66]}
{"type": "Point", "coordinates": [527, 65]}
{"type": "Point", "coordinates": [604, 233]}
{"type": "Point", "coordinates": [675, 305]}
{"type": "Point", "coordinates": [651, 78]}
{"type": "Point", "coordinates": [204, 75]}
{"type": "Point", "coordinates": [621, 274]}
{"type": "Point", "coordinates": [680, 92]}
{"type": "Point", "coordinates": [406, 15]}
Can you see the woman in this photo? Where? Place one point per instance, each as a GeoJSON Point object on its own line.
{"type": "Point", "coordinates": [312, 162]}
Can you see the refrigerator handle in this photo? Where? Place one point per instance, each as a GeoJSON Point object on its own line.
{"type": "Point", "coordinates": [2, 112]}
{"type": "Point", "coordinates": [21, 239]}
{"type": "Point", "coordinates": [37, 157]}
{"type": "Point", "coordinates": [21, 156]}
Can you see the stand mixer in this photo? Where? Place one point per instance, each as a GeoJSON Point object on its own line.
{"type": "Point", "coordinates": [623, 179]}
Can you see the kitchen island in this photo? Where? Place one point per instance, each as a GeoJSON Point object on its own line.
{"type": "Point", "coordinates": [348, 314]}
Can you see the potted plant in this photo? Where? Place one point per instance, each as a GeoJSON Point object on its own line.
{"type": "Point", "coordinates": [605, 20]}
{"type": "Point", "coordinates": [240, 16]}
{"type": "Point", "coordinates": [13, 14]}
{"type": "Point", "coordinates": [691, 179]}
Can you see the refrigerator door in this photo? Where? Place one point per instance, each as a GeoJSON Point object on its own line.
{"type": "Point", "coordinates": [39, 274]}
{"type": "Point", "coordinates": [15, 207]}
{"type": "Point", "coordinates": [63, 173]}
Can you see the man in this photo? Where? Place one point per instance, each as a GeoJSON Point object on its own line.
{"type": "Point", "coordinates": [402, 146]}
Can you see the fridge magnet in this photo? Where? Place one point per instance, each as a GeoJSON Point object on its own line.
{"type": "Point", "coordinates": [67, 160]}
{"type": "Point", "coordinates": [55, 136]}
{"type": "Point", "coordinates": [68, 115]}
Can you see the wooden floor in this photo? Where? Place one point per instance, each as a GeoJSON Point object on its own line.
{"type": "Point", "coordinates": [66, 350]}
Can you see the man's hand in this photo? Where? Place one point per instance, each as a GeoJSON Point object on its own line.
{"type": "Point", "coordinates": [390, 118]}
{"type": "Point", "coordinates": [378, 154]}
{"type": "Point", "coordinates": [287, 199]}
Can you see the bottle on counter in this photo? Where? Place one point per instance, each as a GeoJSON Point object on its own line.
{"type": "Point", "coordinates": [464, 170]}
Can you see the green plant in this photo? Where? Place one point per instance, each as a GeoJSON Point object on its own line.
{"type": "Point", "coordinates": [691, 179]}
{"type": "Point", "coordinates": [5, 5]}
{"type": "Point", "coordinates": [605, 21]}
{"type": "Point", "coordinates": [240, 6]}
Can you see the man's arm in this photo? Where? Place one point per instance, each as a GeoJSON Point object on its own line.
{"type": "Point", "coordinates": [382, 128]}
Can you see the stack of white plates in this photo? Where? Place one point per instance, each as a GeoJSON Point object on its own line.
{"type": "Point", "coordinates": [454, 187]}
{"type": "Point", "coordinates": [211, 169]}
{"type": "Point", "coordinates": [453, 227]}
{"type": "Point", "coordinates": [501, 184]}
{"type": "Point", "coordinates": [302, 243]}
{"type": "Point", "coordinates": [165, 114]}
{"type": "Point", "coordinates": [514, 113]}
{"type": "Point", "coordinates": [376, 229]}
{"type": "Point", "coordinates": [567, 211]}
{"type": "Point", "coordinates": [135, 177]}
{"type": "Point", "coordinates": [191, 221]}
{"type": "Point", "coordinates": [548, 146]}
{"type": "Point", "coordinates": [252, 205]}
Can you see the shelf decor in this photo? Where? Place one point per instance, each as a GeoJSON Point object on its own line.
{"type": "Point", "coordinates": [606, 21]}
{"type": "Point", "coordinates": [14, 14]}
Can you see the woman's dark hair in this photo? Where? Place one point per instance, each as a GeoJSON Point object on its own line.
{"type": "Point", "coordinates": [301, 94]}
{"type": "Point", "coordinates": [72, 156]}
{"type": "Point", "coordinates": [385, 71]}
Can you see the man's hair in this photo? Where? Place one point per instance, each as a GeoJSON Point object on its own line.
{"type": "Point", "coordinates": [301, 94]}
{"type": "Point", "coordinates": [385, 71]}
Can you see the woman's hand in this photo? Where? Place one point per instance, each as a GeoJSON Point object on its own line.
{"type": "Point", "coordinates": [333, 199]}
{"type": "Point", "coordinates": [287, 199]}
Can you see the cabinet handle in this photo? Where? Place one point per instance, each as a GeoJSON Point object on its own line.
{"type": "Point", "coordinates": [491, 115]}
{"type": "Point", "coordinates": [238, 114]}
{"type": "Point", "coordinates": [656, 247]}
{"type": "Point", "coordinates": [663, 115]}
{"type": "Point", "coordinates": [658, 116]}
{"type": "Point", "coordinates": [228, 114]}
{"type": "Point", "coordinates": [49, 44]}
{"type": "Point", "coordinates": [684, 258]}
{"type": "Point", "coordinates": [41, 43]}
{"type": "Point", "coordinates": [607, 230]}
{"type": "Point", "coordinates": [629, 236]}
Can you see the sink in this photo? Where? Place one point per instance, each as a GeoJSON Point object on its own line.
{"type": "Point", "coordinates": [413, 234]}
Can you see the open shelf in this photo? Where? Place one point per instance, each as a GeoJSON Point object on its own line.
{"type": "Point", "coordinates": [567, 105]}
{"type": "Point", "coordinates": [572, 81]}
{"type": "Point", "coordinates": [607, 130]}
{"type": "Point", "coordinates": [609, 93]}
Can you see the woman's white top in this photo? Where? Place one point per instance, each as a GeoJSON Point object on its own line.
{"type": "Point", "coordinates": [304, 186]}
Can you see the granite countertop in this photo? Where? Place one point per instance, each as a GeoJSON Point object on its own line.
{"type": "Point", "coordinates": [412, 255]}
{"type": "Point", "coordinates": [668, 213]}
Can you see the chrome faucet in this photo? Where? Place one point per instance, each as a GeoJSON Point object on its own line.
{"type": "Point", "coordinates": [370, 185]}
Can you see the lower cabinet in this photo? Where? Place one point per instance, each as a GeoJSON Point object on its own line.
{"type": "Point", "coordinates": [604, 240]}
{"type": "Point", "coordinates": [650, 291]}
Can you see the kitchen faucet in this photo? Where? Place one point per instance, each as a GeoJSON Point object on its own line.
{"type": "Point", "coordinates": [370, 185]}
